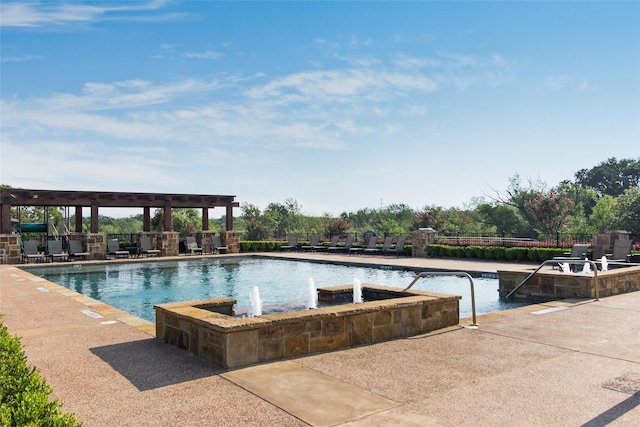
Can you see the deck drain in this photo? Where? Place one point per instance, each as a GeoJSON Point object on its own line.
{"type": "Point", "coordinates": [628, 383]}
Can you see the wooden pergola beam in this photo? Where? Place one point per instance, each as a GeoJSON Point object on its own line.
{"type": "Point", "coordinates": [101, 199]}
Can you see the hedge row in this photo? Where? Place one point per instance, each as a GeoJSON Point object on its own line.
{"type": "Point", "coordinates": [270, 246]}
{"type": "Point", "coordinates": [24, 394]}
{"type": "Point", "coordinates": [500, 253]}
{"type": "Point", "coordinates": [495, 252]}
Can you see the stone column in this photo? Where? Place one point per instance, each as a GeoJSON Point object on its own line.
{"type": "Point", "coordinates": [9, 249]}
{"type": "Point", "coordinates": [95, 243]}
{"type": "Point", "coordinates": [420, 241]}
{"type": "Point", "coordinates": [231, 239]}
{"type": "Point", "coordinates": [170, 243]}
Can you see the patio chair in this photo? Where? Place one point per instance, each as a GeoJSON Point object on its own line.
{"type": "Point", "coordinates": [30, 252]}
{"type": "Point", "coordinates": [342, 248]}
{"type": "Point", "coordinates": [371, 244]}
{"type": "Point", "coordinates": [54, 251]}
{"type": "Point", "coordinates": [385, 247]}
{"type": "Point", "coordinates": [217, 246]}
{"type": "Point", "coordinates": [398, 249]}
{"type": "Point", "coordinates": [333, 244]}
{"type": "Point", "coordinates": [578, 251]}
{"type": "Point", "coordinates": [113, 249]}
{"type": "Point", "coordinates": [146, 249]}
{"type": "Point", "coordinates": [313, 244]}
{"type": "Point", "coordinates": [621, 250]}
{"type": "Point", "coordinates": [191, 246]}
{"type": "Point", "coordinates": [292, 245]}
{"type": "Point", "coordinates": [76, 250]}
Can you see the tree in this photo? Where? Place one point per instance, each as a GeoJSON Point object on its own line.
{"type": "Point", "coordinates": [286, 217]}
{"type": "Point", "coordinates": [628, 210]}
{"type": "Point", "coordinates": [505, 218]}
{"type": "Point", "coordinates": [186, 221]}
{"type": "Point", "coordinates": [611, 177]}
{"type": "Point", "coordinates": [429, 217]}
{"type": "Point", "coordinates": [518, 196]}
{"type": "Point", "coordinates": [603, 215]}
{"type": "Point", "coordinates": [550, 211]}
{"type": "Point", "coordinates": [255, 228]}
{"type": "Point", "coordinates": [338, 226]}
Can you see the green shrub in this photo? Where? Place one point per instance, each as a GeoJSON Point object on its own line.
{"type": "Point", "coordinates": [516, 254]}
{"type": "Point", "coordinates": [24, 394]}
{"type": "Point", "coordinates": [260, 245]}
{"type": "Point", "coordinates": [436, 250]}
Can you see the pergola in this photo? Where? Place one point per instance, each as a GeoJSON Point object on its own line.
{"type": "Point", "coordinates": [97, 199]}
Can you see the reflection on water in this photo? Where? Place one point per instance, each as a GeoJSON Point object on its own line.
{"type": "Point", "coordinates": [136, 287]}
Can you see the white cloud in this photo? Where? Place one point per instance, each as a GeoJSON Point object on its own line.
{"type": "Point", "coordinates": [46, 13]}
{"type": "Point", "coordinates": [203, 55]}
{"type": "Point", "coordinates": [22, 58]}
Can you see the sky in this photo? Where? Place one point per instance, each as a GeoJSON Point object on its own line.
{"type": "Point", "coordinates": [337, 105]}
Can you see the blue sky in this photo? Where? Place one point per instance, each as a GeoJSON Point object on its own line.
{"type": "Point", "coordinates": [338, 105]}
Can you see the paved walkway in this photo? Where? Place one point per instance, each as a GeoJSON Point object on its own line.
{"type": "Point", "coordinates": [566, 363]}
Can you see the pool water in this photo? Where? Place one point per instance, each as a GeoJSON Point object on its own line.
{"type": "Point", "coordinates": [137, 287]}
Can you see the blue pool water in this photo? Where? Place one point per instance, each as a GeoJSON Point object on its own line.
{"type": "Point", "coordinates": [136, 287]}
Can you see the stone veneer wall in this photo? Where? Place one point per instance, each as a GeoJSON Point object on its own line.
{"type": "Point", "coordinates": [557, 285]}
{"type": "Point", "coordinates": [231, 342]}
{"type": "Point", "coordinates": [169, 243]}
{"type": "Point", "coordinates": [232, 240]}
{"type": "Point", "coordinates": [9, 249]}
{"type": "Point", "coordinates": [420, 241]}
{"type": "Point", "coordinates": [94, 243]}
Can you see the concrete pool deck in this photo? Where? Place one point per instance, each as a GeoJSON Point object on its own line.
{"type": "Point", "coordinates": [572, 362]}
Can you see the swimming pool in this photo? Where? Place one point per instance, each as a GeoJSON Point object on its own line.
{"type": "Point", "coordinates": [137, 287]}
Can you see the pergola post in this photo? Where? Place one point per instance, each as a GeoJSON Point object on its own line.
{"type": "Point", "coordinates": [94, 217]}
{"type": "Point", "coordinates": [205, 219]}
{"type": "Point", "coordinates": [5, 216]}
{"type": "Point", "coordinates": [167, 216]}
{"type": "Point", "coordinates": [229, 217]}
{"type": "Point", "coordinates": [78, 225]}
{"type": "Point", "coordinates": [146, 219]}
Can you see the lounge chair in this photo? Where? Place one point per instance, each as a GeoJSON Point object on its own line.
{"type": "Point", "coordinates": [30, 252]}
{"type": "Point", "coordinates": [146, 249]}
{"type": "Point", "coordinates": [217, 246]}
{"type": "Point", "coordinates": [76, 250]}
{"type": "Point", "coordinates": [54, 251]}
{"type": "Point", "coordinates": [313, 244]}
{"type": "Point", "coordinates": [371, 245]}
{"type": "Point", "coordinates": [333, 244]}
{"type": "Point", "coordinates": [385, 247]}
{"type": "Point", "coordinates": [342, 248]}
{"type": "Point", "coordinates": [398, 249]}
{"type": "Point", "coordinates": [113, 249]}
{"type": "Point", "coordinates": [292, 245]}
{"type": "Point", "coordinates": [578, 251]}
{"type": "Point", "coordinates": [621, 250]}
{"type": "Point", "coordinates": [191, 246]}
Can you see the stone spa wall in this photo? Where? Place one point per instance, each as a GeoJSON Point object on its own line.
{"type": "Point", "coordinates": [553, 284]}
{"type": "Point", "coordinates": [208, 328]}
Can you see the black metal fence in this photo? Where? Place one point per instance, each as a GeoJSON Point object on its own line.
{"type": "Point", "coordinates": [557, 240]}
